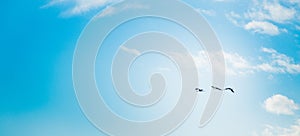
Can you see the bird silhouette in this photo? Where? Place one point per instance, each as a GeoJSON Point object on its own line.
{"type": "Point", "coordinates": [222, 89]}
{"type": "Point", "coordinates": [229, 89]}
{"type": "Point", "coordinates": [216, 88]}
{"type": "Point", "coordinates": [199, 90]}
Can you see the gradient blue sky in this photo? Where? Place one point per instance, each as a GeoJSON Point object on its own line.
{"type": "Point", "coordinates": [261, 45]}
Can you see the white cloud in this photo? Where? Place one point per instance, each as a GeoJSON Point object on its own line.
{"type": "Point", "coordinates": [292, 130]}
{"type": "Point", "coordinates": [262, 27]}
{"type": "Point", "coordinates": [271, 62]}
{"type": "Point", "coordinates": [269, 68]}
{"type": "Point", "coordinates": [268, 50]}
{"type": "Point", "coordinates": [279, 104]}
{"type": "Point", "coordinates": [272, 11]}
{"type": "Point", "coordinates": [76, 7]}
{"type": "Point", "coordinates": [234, 18]}
{"type": "Point", "coordinates": [237, 64]}
{"type": "Point", "coordinates": [265, 17]}
{"type": "Point", "coordinates": [52, 3]}
{"type": "Point", "coordinates": [279, 63]}
{"type": "Point", "coordinates": [112, 10]}
{"type": "Point", "coordinates": [82, 6]}
{"type": "Point", "coordinates": [279, 13]}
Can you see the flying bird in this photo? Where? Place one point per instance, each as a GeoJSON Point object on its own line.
{"type": "Point", "coordinates": [229, 89]}
{"type": "Point", "coordinates": [216, 88]}
{"type": "Point", "coordinates": [222, 89]}
{"type": "Point", "coordinates": [199, 90]}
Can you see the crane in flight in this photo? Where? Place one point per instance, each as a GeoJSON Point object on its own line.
{"type": "Point", "coordinates": [217, 88]}
{"type": "Point", "coordinates": [199, 90]}
{"type": "Point", "coordinates": [213, 87]}
{"type": "Point", "coordinates": [230, 89]}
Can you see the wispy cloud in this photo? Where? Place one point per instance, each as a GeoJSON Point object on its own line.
{"type": "Point", "coordinates": [52, 3]}
{"type": "Point", "coordinates": [272, 11]}
{"type": "Point", "coordinates": [279, 104]}
{"type": "Point", "coordinates": [112, 10]}
{"type": "Point", "coordinates": [235, 63]}
{"type": "Point", "coordinates": [269, 130]}
{"type": "Point", "coordinates": [262, 27]}
{"type": "Point", "coordinates": [235, 18]}
{"type": "Point", "coordinates": [271, 62]}
{"type": "Point", "coordinates": [266, 17]}
{"type": "Point", "coordinates": [77, 7]}
{"type": "Point", "coordinates": [279, 63]}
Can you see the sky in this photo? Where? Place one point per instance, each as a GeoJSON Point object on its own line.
{"type": "Point", "coordinates": [261, 47]}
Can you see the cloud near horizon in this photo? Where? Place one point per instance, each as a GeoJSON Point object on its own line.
{"type": "Point", "coordinates": [280, 105]}
{"type": "Point", "coordinates": [269, 130]}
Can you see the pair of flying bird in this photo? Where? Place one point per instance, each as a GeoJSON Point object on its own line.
{"type": "Point", "coordinates": [201, 90]}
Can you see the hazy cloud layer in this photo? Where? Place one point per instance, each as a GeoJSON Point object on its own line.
{"type": "Point", "coordinates": [269, 130]}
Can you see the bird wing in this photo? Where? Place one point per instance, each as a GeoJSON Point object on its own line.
{"type": "Point", "coordinates": [229, 89]}
{"type": "Point", "coordinates": [216, 88]}
{"type": "Point", "coordinates": [198, 89]}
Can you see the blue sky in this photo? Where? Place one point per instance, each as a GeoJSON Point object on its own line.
{"type": "Point", "coordinates": [261, 46]}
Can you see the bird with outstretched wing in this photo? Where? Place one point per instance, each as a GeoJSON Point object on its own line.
{"type": "Point", "coordinates": [199, 90]}
{"type": "Point", "coordinates": [229, 89]}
